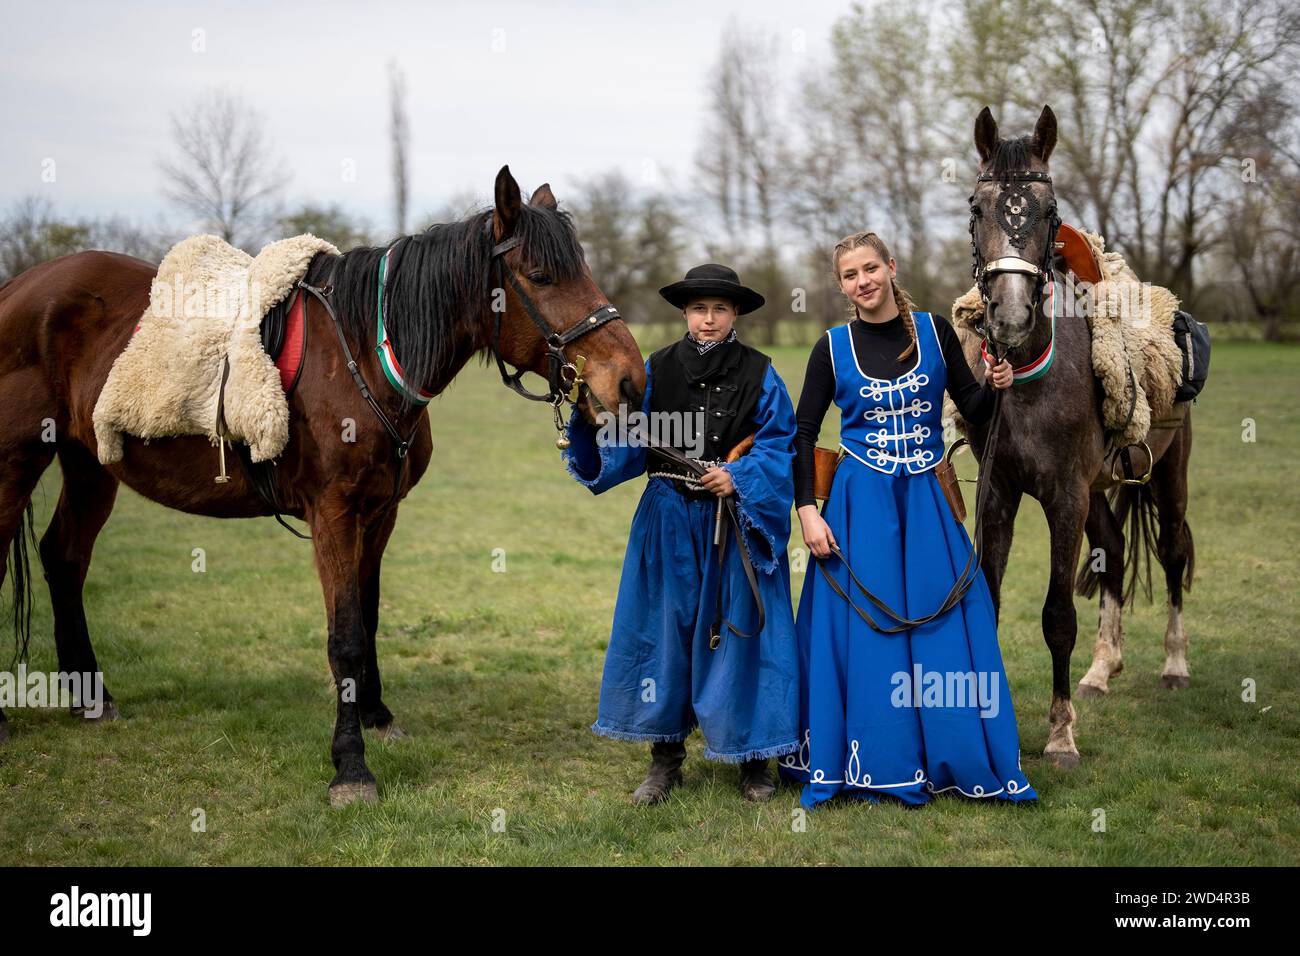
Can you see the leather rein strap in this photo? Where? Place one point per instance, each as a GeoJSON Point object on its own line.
{"type": "Point", "coordinates": [401, 445]}
{"type": "Point", "coordinates": [729, 505]}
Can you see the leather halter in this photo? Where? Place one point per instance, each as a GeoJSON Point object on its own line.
{"type": "Point", "coordinates": [562, 376]}
{"type": "Point", "coordinates": [1017, 212]}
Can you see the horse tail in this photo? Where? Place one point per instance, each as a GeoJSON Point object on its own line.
{"type": "Point", "coordinates": [1135, 510]}
{"type": "Point", "coordinates": [18, 565]}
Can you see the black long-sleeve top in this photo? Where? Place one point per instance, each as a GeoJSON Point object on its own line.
{"type": "Point", "coordinates": [878, 345]}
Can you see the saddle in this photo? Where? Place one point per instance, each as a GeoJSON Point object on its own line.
{"type": "Point", "coordinates": [1073, 247]}
{"type": "Point", "coordinates": [202, 359]}
{"type": "Point", "coordinates": [1135, 355]}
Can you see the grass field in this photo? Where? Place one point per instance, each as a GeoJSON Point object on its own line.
{"type": "Point", "coordinates": [223, 684]}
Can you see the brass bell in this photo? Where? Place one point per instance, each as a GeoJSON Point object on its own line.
{"type": "Point", "coordinates": [561, 443]}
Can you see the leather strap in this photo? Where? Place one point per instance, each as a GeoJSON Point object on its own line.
{"type": "Point", "coordinates": [729, 509]}
{"type": "Point", "coordinates": [968, 573]}
{"type": "Point", "coordinates": [403, 445]}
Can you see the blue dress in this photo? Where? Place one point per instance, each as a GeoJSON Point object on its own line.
{"type": "Point", "coordinates": [661, 680]}
{"type": "Point", "coordinates": [922, 711]}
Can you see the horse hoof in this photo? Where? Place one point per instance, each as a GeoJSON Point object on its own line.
{"type": "Point", "coordinates": [391, 733]}
{"type": "Point", "coordinates": [4, 733]}
{"type": "Point", "coordinates": [107, 713]}
{"type": "Point", "coordinates": [346, 794]}
{"type": "Point", "coordinates": [1175, 682]}
{"type": "Point", "coordinates": [1063, 761]}
{"type": "Point", "coordinates": [1090, 690]}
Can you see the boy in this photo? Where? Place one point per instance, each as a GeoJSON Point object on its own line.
{"type": "Point", "coordinates": [690, 643]}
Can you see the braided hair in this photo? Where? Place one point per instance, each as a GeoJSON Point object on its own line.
{"type": "Point", "coordinates": [901, 298]}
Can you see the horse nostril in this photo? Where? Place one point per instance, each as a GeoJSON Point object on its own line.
{"type": "Point", "coordinates": [628, 391]}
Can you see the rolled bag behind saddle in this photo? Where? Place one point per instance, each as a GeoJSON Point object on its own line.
{"type": "Point", "coordinates": [1193, 340]}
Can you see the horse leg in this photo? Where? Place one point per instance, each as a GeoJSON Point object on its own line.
{"type": "Point", "coordinates": [1107, 537]}
{"type": "Point", "coordinates": [1176, 551]}
{"type": "Point", "coordinates": [336, 539]}
{"type": "Point", "coordinates": [999, 526]}
{"type": "Point", "coordinates": [21, 466]}
{"type": "Point", "coordinates": [374, 714]}
{"type": "Point", "coordinates": [84, 505]}
{"type": "Point", "coordinates": [1066, 513]}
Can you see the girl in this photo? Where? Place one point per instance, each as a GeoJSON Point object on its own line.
{"type": "Point", "coordinates": [925, 710]}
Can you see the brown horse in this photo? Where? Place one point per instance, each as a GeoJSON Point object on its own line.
{"type": "Point", "coordinates": [64, 323]}
{"type": "Point", "coordinates": [1051, 443]}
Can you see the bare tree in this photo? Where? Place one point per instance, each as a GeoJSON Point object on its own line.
{"type": "Point", "coordinates": [633, 242]}
{"type": "Point", "coordinates": [31, 233]}
{"type": "Point", "coordinates": [400, 137]}
{"type": "Point", "coordinates": [886, 92]}
{"type": "Point", "coordinates": [222, 170]}
{"type": "Point", "coordinates": [742, 156]}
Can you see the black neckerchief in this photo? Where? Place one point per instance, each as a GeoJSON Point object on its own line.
{"type": "Point", "coordinates": [716, 361]}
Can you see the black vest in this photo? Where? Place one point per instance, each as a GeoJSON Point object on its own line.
{"type": "Point", "coordinates": [728, 399]}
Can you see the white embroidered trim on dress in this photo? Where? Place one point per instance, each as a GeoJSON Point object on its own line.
{"type": "Point", "coordinates": [923, 457]}
{"type": "Point", "coordinates": [853, 772]}
{"type": "Point", "coordinates": [916, 410]}
{"type": "Point", "coordinates": [878, 389]}
{"type": "Point", "coordinates": [853, 776]}
{"type": "Point", "coordinates": [852, 348]}
{"type": "Point", "coordinates": [918, 434]}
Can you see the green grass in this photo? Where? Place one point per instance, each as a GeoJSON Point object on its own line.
{"type": "Point", "coordinates": [223, 683]}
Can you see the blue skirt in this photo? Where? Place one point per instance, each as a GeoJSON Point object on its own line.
{"type": "Point", "coordinates": [911, 714]}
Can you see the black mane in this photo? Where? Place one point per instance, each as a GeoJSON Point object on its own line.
{"type": "Point", "coordinates": [439, 288]}
{"type": "Point", "coordinates": [1011, 156]}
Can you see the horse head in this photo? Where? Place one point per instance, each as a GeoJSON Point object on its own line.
{"type": "Point", "coordinates": [1013, 224]}
{"type": "Point", "coordinates": [548, 315]}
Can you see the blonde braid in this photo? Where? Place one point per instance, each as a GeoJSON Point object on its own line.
{"type": "Point", "coordinates": [905, 307]}
{"type": "Point", "coordinates": [901, 298]}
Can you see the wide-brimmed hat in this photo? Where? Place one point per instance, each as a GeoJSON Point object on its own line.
{"type": "Point", "coordinates": [712, 279]}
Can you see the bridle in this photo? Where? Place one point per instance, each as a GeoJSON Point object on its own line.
{"type": "Point", "coordinates": [563, 377]}
{"type": "Point", "coordinates": [1017, 212]}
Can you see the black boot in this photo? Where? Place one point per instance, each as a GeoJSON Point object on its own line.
{"type": "Point", "coordinates": [755, 783]}
{"type": "Point", "coordinates": [665, 772]}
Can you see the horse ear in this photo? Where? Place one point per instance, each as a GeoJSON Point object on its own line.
{"type": "Point", "coordinates": [1045, 133]}
{"type": "Point", "coordinates": [986, 134]}
{"type": "Point", "coordinates": [542, 196]}
{"type": "Point", "coordinates": [506, 213]}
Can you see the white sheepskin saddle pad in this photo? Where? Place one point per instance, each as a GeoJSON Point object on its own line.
{"type": "Point", "coordinates": [1132, 327]}
{"type": "Point", "coordinates": [206, 305]}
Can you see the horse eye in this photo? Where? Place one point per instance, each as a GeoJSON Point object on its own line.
{"type": "Point", "coordinates": [539, 278]}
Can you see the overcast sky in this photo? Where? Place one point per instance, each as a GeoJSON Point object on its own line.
{"type": "Point", "coordinates": [559, 90]}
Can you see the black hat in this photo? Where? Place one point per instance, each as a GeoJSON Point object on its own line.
{"type": "Point", "coordinates": [712, 279]}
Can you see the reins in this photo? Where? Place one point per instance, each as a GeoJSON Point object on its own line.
{"type": "Point", "coordinates": [969, 571]}
{"type": "Point", "coordinates": [729, 505]}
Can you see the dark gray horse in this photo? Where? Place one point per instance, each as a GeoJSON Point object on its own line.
{"type": "Point", "coordinates": [1051, 443]}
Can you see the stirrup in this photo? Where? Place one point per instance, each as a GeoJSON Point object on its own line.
{"type": "Point", "coordinates": [1126, 464]}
